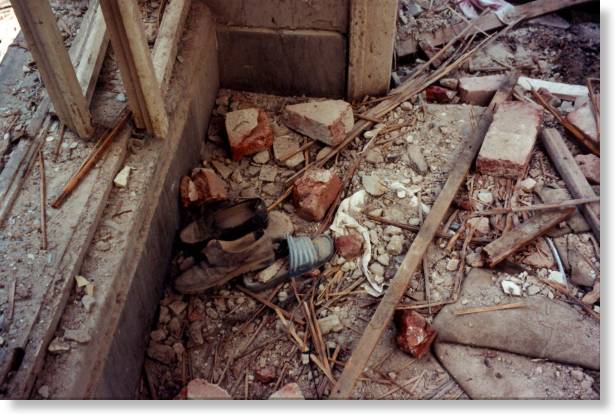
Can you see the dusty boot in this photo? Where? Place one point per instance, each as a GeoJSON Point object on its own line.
{"type": "Point", "coordinates": [227, 260]}
{"type": "Point", "coordinates": [226, 220]}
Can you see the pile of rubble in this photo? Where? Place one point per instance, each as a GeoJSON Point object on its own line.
{"type": "Point", "coordinates": [517, 251]}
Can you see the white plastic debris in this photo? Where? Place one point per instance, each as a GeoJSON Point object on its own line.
{"type": "Point", "coordinates": [511, 288]}
{"type": "Point", "coordinates": [342, 224]}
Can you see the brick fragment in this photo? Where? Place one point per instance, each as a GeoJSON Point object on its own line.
{"type": "Point", "coordinates": [325, 121]}
{"type": "Point", "coordinates": [201, 389]}
{"type": "Point", "coordinates": [478, 90]}
{"type": "Point", "coordinates": [249, 132]}
{"type": "Point", "coordinates": [349, 246]}
{"type": "Point", "coordinates": [202, 187]}
{"type": "Point", "coordinates": [439, 94]}
{"type": "Point", "coordinates": [290, 391]}
{"type": "Point", "coordinates": [414, 333]}
{"type": "Point", "coordinates": [508, 145]}
{"type": "Point", "coordinates": [583, 119]}
{"type": "Point", "coordinates": [590, 167]}
{"type": "Point", "coordinates": [314, 192]}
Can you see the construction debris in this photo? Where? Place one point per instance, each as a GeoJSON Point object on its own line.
{"type": "Point", "coordinates": [414, 334]}
{"type": "Point", "coordinates": [314, 192]}
{"type": "Point", "coordinates": [248, 131]}
{"type": "Point", "coordinates": [510, 140]}
{"type": "Point", "coordinates": [325, 121]}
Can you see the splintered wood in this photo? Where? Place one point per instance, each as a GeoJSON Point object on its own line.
{"type": "Point", "coordinates": [521, 235]}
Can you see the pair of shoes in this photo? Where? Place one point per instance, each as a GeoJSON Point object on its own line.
{"type": "Point", "coordinates": [242, 238]}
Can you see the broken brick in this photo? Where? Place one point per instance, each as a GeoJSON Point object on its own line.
{"type": "Point", "coordinates": [508, 144]}
{"type": "Point", "coordinates": [290, 391]}
{"type": "Point", "coordinates": [326, 121]}
{"type": "Point", "coordinates": [414, 334]}
{"type": "Point", "coordinates": [314, 192]}
{"type": "Point", "coordinates": [349, 246]}
{"type": "Point", "coordinates": [439, 94]}
{"type": "Point", "coordinates": [265, 375]}
{"type": "Point", "coordinates": [249, 132]}
{"type": "Point", "coordinates": [204, 186]}
{"type": "Point", "coordinates": [583, 119]}
{"type": "Point", "coordinates": [478, 90]}
{"type": "Point", "coordinates": [201, 389]}
{"type": "Point", "coordinates": [590, 167]}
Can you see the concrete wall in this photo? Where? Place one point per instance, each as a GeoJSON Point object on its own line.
{"type": "Point", "coordinates": [284, 47]}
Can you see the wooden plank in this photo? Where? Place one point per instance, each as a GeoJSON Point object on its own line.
{"type": "Point", "coordinates": [571, 173]}
{"type": "Point", "coordinates": [485, 23]}
{"type": "Point", "coordinates": [381, 318]}
{"type": "Point", "coordinates": [126, 31]}
{"type": "Point", "coordinates": [89, 48]}
{"type": "Point", "coordinates": [169, 35]}
{"type": "Point", "coordinates": [84, 50]}
{"type": "Point", "coordinates": [371, 43]}
{"type": "Point", "coordinates": [521, 235]}
{"type": "Point", "coordinates": [54, 65]}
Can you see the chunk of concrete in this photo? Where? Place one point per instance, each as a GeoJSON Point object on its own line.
{"type": "Point", "coordinates": [283, 147]}
{"type": "Point", "coordinates": [249, 132]}
{"type": "Point", "coordinates": [509, 142]}
{"type": "Point", "coordinates": [583, 119]}
{"type": "Point", "coordinates": [478, 90]}
{"type": "Point", "coordinates": [325, 121]}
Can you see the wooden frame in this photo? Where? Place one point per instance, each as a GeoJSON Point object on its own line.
{"type": "Point", "coordinates": [370, 47]}
{"type": "Point", "coordinates": [135, 63]}
{"type": "Point", "coordinates": [71, 90]}
{"type": "Point", "coordinates": [38, 24]}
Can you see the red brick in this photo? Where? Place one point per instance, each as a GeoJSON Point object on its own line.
{"type": "Point", "coordinates": [314, 192]}
{"type": "Point", "coordinates": [326, 121]}
{"type": "Point", "coordinates": [290, 391]}
{"type": "Point", "coordinates": [414, 334]}
{"type": "Point", "coordinates": [265, 375]}
{"type": "Point", "coordinates": [583, 119]}
{"type": "Point", "coordinates": [439, 94]}
{"type": "Point", "coordinates": [349, 246]}
{"type": "Point", "coordinates": [249, 132]}
{"type": "Point", "coordinates": [508, 145]}
{"type": "Point", "coordinates": [590, 166]}
{"type": "Point", "coordinates": [478, 90]}
{"type": "Point", "coordinates": [204, 186]}
{"type": "Point", "coordinates": [201, 389]}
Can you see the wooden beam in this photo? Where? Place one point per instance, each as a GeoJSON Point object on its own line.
{"type": "Point", "coordinates": [169, 36]}
{"type": "Point", "coordinates": [371, 43]}
{"type": "Point", "coordinates": [485, 23]}
{"type": "Point", "coordinates": [123, 19]}
{"type": "Point", "coordinates": [399, 284]}
{"type": "Point", "coordinates": [571, 173]}
{"type": "Point", "coordinates": [53, 63]}
{"type": "Point", "coordinates": [521, 235]}
{"type": "Point", "coordinates": [89, 48]}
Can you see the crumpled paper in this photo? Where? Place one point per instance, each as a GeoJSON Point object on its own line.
{"type": "Point", "coordinates": [344, 221]}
